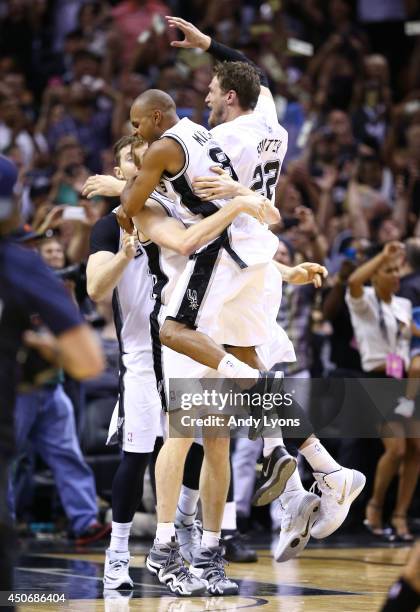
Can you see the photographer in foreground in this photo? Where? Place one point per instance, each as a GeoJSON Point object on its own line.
{"type": "Point", "coordinates": [27, 287]}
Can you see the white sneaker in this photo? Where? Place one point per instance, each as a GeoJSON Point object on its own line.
{"type": "Point", "coordinates": [338, 489]}
{"type": "Point", "coordinates": [299, 511]}
{"type": "Point", "coordinates": [405, 407]}
{"type": "Point", "coordinates": [189, 538]}
{"type": "Point", "coordinates": [116, 574]}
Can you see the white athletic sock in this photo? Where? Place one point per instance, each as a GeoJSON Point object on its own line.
{"type": "Point", "coordinates": [187, 506]}
{"type": "Point", "coordinates": [294, 484]}
{"type": "Point", "coordinates": [209, 539]}
{"type": "Point", "coordinates": [270, 444]}
{"type": "Point", "coordinates": [165, 532]}
{"type": "Point", "coordinates": [119, 536]}
{"type": "Point", "coordinates": [229, 516]}
{"type": "Point", "coordinates": [319, 458]}
{"type": "Point", "coordinates": [232, 367]}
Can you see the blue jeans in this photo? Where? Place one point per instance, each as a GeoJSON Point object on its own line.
{"type": "Point", "coordinates": [45, 418]}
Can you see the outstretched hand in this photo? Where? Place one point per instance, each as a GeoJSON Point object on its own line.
{"type": "Point", "coordinates": [220, 185]}
{"type": "Point", "coordinates": [194, 38]}
{"type": "Point", "coordinates": [308, 273]}
{"type": "Point", "coordinates": [102, 185]}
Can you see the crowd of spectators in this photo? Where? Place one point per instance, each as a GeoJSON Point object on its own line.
{"type": "Point", "coordinates": [345, 79]}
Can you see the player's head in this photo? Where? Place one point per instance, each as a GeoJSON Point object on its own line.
{"type": "Point", "coordinates": [234, 86]}
{"type": "Point", "coordinates": [127, 154]}
{"type": "Point", "coordinates": [152, 113]}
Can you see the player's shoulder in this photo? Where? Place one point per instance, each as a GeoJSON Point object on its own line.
{"type": "Point", "coordinates": [266, 110]}
{"type": "Point", "coordinates": [107, 224]}
{"type": "Point", "coordinates": [105, 234]}
{"type": "Point", "coordinates": [230, 132]}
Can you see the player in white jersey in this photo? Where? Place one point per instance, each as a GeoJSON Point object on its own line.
{"type": "Point", "coordinates": [118, 263]}
{"type": "Point", "coordinates": [256, 145]}
{"type": "Point", "coordinates": [166, 261]}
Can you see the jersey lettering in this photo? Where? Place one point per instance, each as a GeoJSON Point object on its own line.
{"type": "Point", "coordinates": [269, 145]}
{"type": "Point", "coordinates": [202, 137]}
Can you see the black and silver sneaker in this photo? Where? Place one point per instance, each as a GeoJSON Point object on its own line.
{"type": "Point", "coordinates": [165, 562]}
{"type": "Point", "coordinates": [236, 548]}
{"type": "Point", "coordinates": [209, 566]}
{"type": "Point", "coordinates": [276, 471]}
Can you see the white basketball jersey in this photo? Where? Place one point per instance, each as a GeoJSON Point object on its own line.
{"type": "Point", "coordinates": [132, 304]}
{"type": "Point", "coordinates": [256, 145]}
{"type": "Point", "coordinates": [250, 241]}
{"type": "Point", "coordinates": [165, 265]}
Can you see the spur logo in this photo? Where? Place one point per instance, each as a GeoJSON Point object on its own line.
{"type": "Point", "coordinates": [192, 298]}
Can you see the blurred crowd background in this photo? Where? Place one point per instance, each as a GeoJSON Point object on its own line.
{"type": "Point", "coordinates": [346, 81]}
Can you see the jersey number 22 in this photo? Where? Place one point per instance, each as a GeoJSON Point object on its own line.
{"type": "Point", "coordinates": [265, 178]}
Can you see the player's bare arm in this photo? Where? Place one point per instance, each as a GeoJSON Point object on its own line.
{"type": "Point", "coordinates": [103, 185]}
{"type": "Point", "coordinates": [222, 185]}
{"type": "Point", "coordinates": [164, 155]}
{"type": "Point", "coordinates": [168, 232]}
{"type": "Point", "coordinates": [304, 274]}
{"type": "Point", "coordinates": [104, 269]}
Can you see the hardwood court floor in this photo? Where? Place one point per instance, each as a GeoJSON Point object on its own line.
{"type": "Point", "coordinates": [339, 579]}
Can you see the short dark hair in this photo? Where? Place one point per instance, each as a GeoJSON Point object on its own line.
{"type": "Point", "coordinates": [123, 142]}
{"type": "Point", "coordinates": [243, 79]}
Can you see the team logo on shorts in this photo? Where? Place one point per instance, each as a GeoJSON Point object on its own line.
{"type": "Point", "coordinates": [193, 299]}
{"type": "Point", "coordinates": [129, 437]}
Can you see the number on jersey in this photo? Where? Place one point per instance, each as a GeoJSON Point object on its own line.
{"type": "Point", "coordinates": [265, 178]}
{"type": "Point", "coordinates": [220, 158]}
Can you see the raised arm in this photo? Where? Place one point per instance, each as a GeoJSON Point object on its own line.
{"type": "Point", "coordinates": [306, 273]}
{"type": "Point", "coordinates": [364, 273]}
{"type": "Point", "coordinates": [195, 39]}
{"type": "Point", "coordinates": [162, 155]}
{"type": "Point", "coordinates": [221, 185]}
{"type": "Point", "coordinates": [172, 234]}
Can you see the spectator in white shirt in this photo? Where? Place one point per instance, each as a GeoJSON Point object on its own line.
{"type": "Point", "coordinates": [382, 326]}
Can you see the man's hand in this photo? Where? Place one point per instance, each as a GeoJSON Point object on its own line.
{"type": "Point", "coordinates": [124, 221]}
{"type": "Point", "coordinates": [254, 205]}
{"type": "Point", "coordinates": [327, 181]}
{"type": "Point", "coordinates": [307, 273]}
{"type": "Point", "coordinates": [129, 245]}
{"type": "Point", "coordinates": [222, 185]}
{"type": "Point", "coordinates": [194, 39]}
{"type": "Point", "coordinates": [103, 185]}
{"type": "Point", "coordinates": [393, 250]}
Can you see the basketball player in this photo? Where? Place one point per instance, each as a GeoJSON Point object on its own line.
{"type": "Point", "coordinates": [239, 128]}
{"type": "Point", "coordinates": [117, 262]}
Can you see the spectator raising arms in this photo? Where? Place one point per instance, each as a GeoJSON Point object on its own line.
{"type": "Point", "coordinates": [382, 324]}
